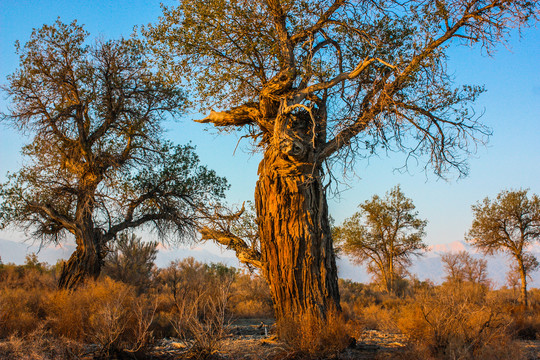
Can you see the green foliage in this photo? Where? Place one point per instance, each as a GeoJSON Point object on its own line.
{"type": "Point", "coordinates": [386, 233]}
{"type": "Point", "coordinates": [509, 222]}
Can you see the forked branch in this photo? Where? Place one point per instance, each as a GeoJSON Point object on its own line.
{"type": "Point", "coordinates": [228, 229]}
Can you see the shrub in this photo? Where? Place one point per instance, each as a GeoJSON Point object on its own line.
{"type": "Point", "coordinates": [106, 313]}
{"type": "Point", "coordinates": [131, 261]}
{"type": "Point", "coordinates": [449, 323]}
{"type": "Point", "coordinates": [198, 295]}
{"type": "Point", "coordinates": [20, 310]}
{"type": "Point", "coordinates": [40, 344]}
{"type": "Point", "coordinates": [315, 338]}
{"type": "Point", "coordinates": [250, 297]}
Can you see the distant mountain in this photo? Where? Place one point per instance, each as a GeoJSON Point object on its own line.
{"type": "Point", "coordinates": [425, 267]}
{"type": "Point", "coordinates": [16, 252]}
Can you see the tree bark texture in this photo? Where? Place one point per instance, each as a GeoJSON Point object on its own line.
{"type": "Point", "coordinates": [85, 262]}
{"type": "Point", "coordinates": [298, 259]}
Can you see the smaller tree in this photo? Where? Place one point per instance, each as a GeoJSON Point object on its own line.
{"type": "Point", "coordinates": [131, 261]}
{"type": "Point", "coordinates": [386, 233]}
{"type": "Point", "coordinates": [508, 224]}
{"type": "Point", "coordinates": [97, 164]}
{"type": "Point", "coordinates": [461, 267]}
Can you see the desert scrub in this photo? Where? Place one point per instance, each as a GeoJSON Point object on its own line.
{"type": "Point", "coordinates": [197, 296]}
{"type": "Point", "coordinates": [20, 310]}
{"type": "Point", "coordinates": [310, 337]}
{"type": "Point", "coordinates": [250, 297]}
{"type": "Point", "coordinates": [106, 313]}
{"type": "Point", "coordinates": [448, 323]}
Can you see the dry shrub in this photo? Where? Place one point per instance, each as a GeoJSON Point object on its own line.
{"type": "Point", "coordinates": [20, 310]}
{"type": "Point", "coordinates": [203, 324]}
{"type": "Point", "coordinates": [525, 325]}
{"type": "Point", "coordinates": [525, 320]}
{"type": "Point", "coordinates": [69, 312]}
{"type": "Point", "coordinates": [198, 295]}
{"type": "Point", "coordinates": [371, 309]}
{"type": "Point", "coordinates": [40, 345]}
{"type": "Point", "coordinates": [311, 337]}
{"type": "Point", "coordinates": [106, 313]}
{"type": "Point", "coordinates": [448, 323]}
{"type": "Point", "coordinates": [377, 317]}
{"type": "Point", "coordinates": [23, 293]}
{"type": "Point", "coordinates": [250, 297]}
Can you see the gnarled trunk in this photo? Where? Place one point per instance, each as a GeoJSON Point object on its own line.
{"type": "Point", "coordinates": [85, 262]}
{"type": "Point", "coordinates": [296, 246]}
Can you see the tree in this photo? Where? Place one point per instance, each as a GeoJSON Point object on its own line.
{"type": "Point", "coordinates": [97, 165]}
{"type": "Point", "coordinates": [131, 261]}
{"type": "Point", "coordinates": [509, 224]}
{"type": "Point", "coordinates": [386, 233]}
{"type": "Point", "coordinates": [313, 82]}
{"type": "Point", "coordinates": [461, 267]}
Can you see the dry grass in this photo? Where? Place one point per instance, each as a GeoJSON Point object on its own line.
{"type": "Point", "coordinates": [447, 323]}
{"type": "Point", "coordinates": [194, 302]}
{"type": "Point", "coordinates": [311, 337]}
{"type": "Point", "coordinates": [40, 344]}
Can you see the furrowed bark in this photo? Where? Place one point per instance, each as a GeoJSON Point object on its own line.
{"type": "Point", "coordinates": [84, 263]}
{"type": "Point", "coordinates": [296, 245]}
{"type": "Point", "coordinates": [297, 254]}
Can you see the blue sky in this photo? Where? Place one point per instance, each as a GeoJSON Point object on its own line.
{"type": "Point", "coordinates": [511, 108]}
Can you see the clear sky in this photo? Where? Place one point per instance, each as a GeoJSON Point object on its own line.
{"type": "Point", "coordinates": [511, 108]}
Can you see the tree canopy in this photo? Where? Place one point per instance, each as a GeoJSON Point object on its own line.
{"type": "Point", "coordinates": [510, 223]}
{"type": "Point", "coordinates": [385, 234]}
{"type": "Point", "coordinates": [376, 69]}
{"type": "Point", "coordinates": [97, 164]}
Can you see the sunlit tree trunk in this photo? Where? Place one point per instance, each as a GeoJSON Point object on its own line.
{"type": "Point", "coordinates": [87, 260]}
{"type": "Point", "coordinates": [523, 275]}
{"type": "Point", "coordinates": [296, 245]}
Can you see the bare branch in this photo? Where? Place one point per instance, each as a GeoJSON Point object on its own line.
{"type": "Point", "coordinates": [244, 253]}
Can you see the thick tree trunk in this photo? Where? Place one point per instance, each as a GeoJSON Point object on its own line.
{"type": "Point", "coordinates": [523, 294]}
{"type": "Point", "coordinates": [84, 263]}
{"type": "Point", "coordinates": [296, 246]}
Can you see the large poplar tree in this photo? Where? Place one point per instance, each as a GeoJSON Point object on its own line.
{"type": "Point", "coordinates": [96, 165]}
{"type": "Point", "coordinates": [316, 81]}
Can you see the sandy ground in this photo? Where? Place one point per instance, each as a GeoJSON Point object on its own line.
{"type": "Point", "coordinates": [253, 340]}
